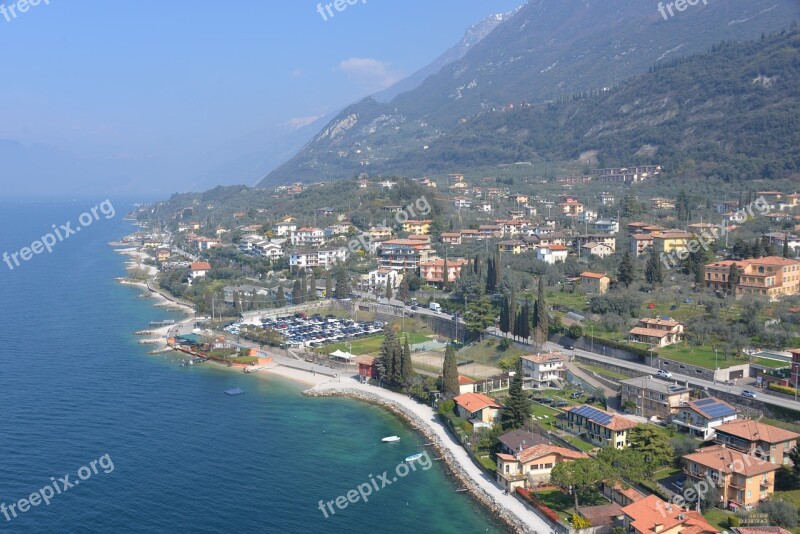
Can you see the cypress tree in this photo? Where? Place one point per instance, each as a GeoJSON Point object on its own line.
{"type": "Point", "coordinates": [406, 365]}
{"type": "Point", "coordinates": [328, 285]}
{"type": "Point", "coordinates": [525, 322]}
{"type": "Point", "coordinates": [542, 319]}
{"type": "Point", "coordinates": [387, 357]}
{"type": "Point", "coordinates": [786, 245]}
{"type": "Point", "coordinates": [654, 270]}
{"type": "Point", "coordinates": [402, 292]}
{"type": "Point", "coordinates": [733, 277]}
{"type": "Point", "coordinates": [625, 274]}
{"type": "Point", "coordinates": [517, 407]}
{"type": "Point", "coordinates": [312, 292]}
{"type": "Point", "coordinates": [280, 297]}
{"type": "Point", "coordinates": [450, 373]}
{"type": "Point", "coordinates": [505, 321]}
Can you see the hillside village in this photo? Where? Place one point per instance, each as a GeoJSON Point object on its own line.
{"type": "Point", "coordinates": [599, 345]}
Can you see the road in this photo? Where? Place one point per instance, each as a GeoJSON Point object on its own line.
{"type": "Point", "coordinates": [694, 381]}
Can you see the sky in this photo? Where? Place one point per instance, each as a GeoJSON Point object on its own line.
{"type": "Point", "coordinates": [121, 97]}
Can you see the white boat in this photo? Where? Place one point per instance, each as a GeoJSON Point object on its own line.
{"type": "Point", "coordinates": [390, 439]}
{"type": "Point", "coordinates": [414, 457]}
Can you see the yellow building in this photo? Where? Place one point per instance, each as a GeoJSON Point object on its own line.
{"type": "Point", "coordinates": [743, 480]}
{"type": "Point", "coordinates": [417, 227]}
{"type": "Point", "coordinates": [511, 247]}
{"type": "Point", "coordinates": [651, 515]}
{"type": "Point", "coordinates": [671, 240]}
{"type": "Point", "coordinates": [595, 282]}
{"type": "Point", "coordinates": [525, 468]}
{"type": "Point", "coordinates": [598, 427]}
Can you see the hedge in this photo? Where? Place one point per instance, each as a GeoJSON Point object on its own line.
{"type": "Point", "coordinates": [782, 389]}
{"type": "Point", "coordinates": [536, 503]}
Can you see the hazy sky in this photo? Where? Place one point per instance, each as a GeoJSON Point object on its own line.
{"type": "Point", "coordinates": [113, 95]}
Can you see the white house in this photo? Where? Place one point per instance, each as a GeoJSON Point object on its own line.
{"type": "Point", "coordinates": [551, 253]}
{"type": "Point", "coordinates": [270, 250]}
{"type": "Point", "coordinates": [384, 275]}
{"type": "Point", "coordinates": [543, 369]}
{"type": "Point", "coordinates": [308, 236]}
{"type": "Point", "coordinates": [316, 258]}
{"type": "Point", "coordinates": [606, 226]}
{"type": "Point", "coordinates": [700, 417]}
{"type": "Point", "coordinates": [284, 229]}
{"type": "Point", "coordinates": [200, 268]}
{"type": "Point", "coordinates": [601, 250]}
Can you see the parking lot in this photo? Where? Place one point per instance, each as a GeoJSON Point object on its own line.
{"type": "Point", "coordinates": [302, 330]}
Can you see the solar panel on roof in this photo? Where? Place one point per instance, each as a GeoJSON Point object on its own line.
{"type": "Point", "coordinates": [706, 402]}
{"type": "Point", "coordinates": [594, 414]}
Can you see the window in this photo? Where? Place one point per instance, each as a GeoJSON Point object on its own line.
{"type": "Point", "coordinates": [749, 494]}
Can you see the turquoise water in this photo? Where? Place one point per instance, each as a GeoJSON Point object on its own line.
{"type": "Point", "coordinates": [75, 386]}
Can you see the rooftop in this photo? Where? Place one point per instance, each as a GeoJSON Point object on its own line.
{"type": "Point", "coordinates": [725, 460]}
{"type": "Point", "coordinates": [756, 431]}
{"type": "Point", "coordinates": [602, 418]}
{"type": "Point", "coordinates": [658, 386]}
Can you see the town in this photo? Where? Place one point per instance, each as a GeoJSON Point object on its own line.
{"type": "Point", "coordinates": [616, 355]}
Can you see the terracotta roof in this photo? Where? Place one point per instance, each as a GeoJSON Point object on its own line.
{"type": "Point", "coordinates": [649, 332]}
{"type": "Point", "coordinates": [464, 380]}
{"type": "Point", "coordinates": [539, 451]}
{"type": "Point", "coordinates": [665, 322]}
{"type": "Point", "coordinates": [366, 360]}
{"type": "Point", "coordinates": [474, 402]}
{"type": "Point", "coordinates": [757, 431]}
{"type": "Point", "coordinates": [616, 422]}
{"type": "Point", "coordinates": [631, 493]}
{"type": "Point", "coordinates": [651, 512]}
{"type": "Point", "coordinates": [725, 460]}
{"type": "Point", "coordinates": [201, 266]}
{"type": "Point", "coordinates": [544, 358]}
{"type": "Point", "coordinates": [587, 274]}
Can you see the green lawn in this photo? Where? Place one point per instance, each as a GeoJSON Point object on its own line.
{"type": "Point", "coordinates": [372, 344]}
{"type": "Point", "coordinates": [703, 356]}
{"type": "Point", "coordinates": [603, 372]}
{"type": "Point", "coordinates": [564, 505]}
{"type": "Point", "coordinates": [717, 518]}
{"type": "Point", "coordinates": [489, 352]}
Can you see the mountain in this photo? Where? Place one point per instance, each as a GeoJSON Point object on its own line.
{"type": "Point", "coordinates": [546, 51]}
{"type": "Point", "coordinates": [473, 36]}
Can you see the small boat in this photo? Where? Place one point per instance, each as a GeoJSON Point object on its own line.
{"type": "Point", "coordinates": [414, 457]}
{"type": "Point", "coordinates": [390, 439]}
{"type": "Point", "coordinates": [234, 391]}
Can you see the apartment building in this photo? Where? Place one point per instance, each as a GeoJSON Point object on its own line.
{"type": "Point", "coordinates": [658, 332]}
{"type": "Point", "coordinates": [432, 271]}
{"type": "Point", "coordinates": [764, 441]}
{"type": "Point", "coordinates": [700, 418]}
{"type": "Point", "coordinates": [653, 398]}
{"type": "Point", "coordinates": [418, 227]}
{"type": "Point", "coordinates": [599, 427]}
{"type": "Point", "coordinates": [404, 254]}
{"type": "Point", "coordinates": [308, 236]}
{"type": "Point", "coordinates": [772, 277]}
{"type": "Point", "coordinates": [309, 259]}
{"type": "Point", "coordinates": [742, 480]}
{"type": "Point", "coordinates": [651, 515]}
{"type": "Point", "coordinates": [544, 369]}
{"type": "Point", "coordinates": [532, 466]}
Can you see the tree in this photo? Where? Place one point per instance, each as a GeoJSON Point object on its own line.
{"type": "Point", "coordinates": [402, 292]}
{"type": "Point", "coordinates": [785, 245]}
{"type": "Point", "coordinates": [480, 315]}
{"type": "Point", "coordinates": [733, 277]}
{"type": "Point", "coordinates": [445, 274]}
{"type": "Point", "coordinates": [794, 456]}
{"type": "Point", "coordinates": [579, 476]}
{"type": "Point", "coordinates": [505, 317]}
{"type": "Point", "coordinates": [575, 331]}
{"type": "Point", "coordinates": [388, 289]}
{"type": "Point", "coordinates": [525, 322]}
{"type": "Point", "coordinates": [517, 406]}
{"type": "Point", "coordinates": [625, 463]}
{"type": "Point", "coordinates": [781, 513]}
{"type": "Point", "coordinates": [406, 365]}
{"type": "Point", "coordinates": [312, 291]}
{"type": "Point", "coordinates": [297, 292]}
{"type": "Point", "coordinates": [280, 297]}
{"type": "Point", "coordinates": [450, 373]}
{"type": "Point", "coordinates": [626, 272]}
{"type": "Point", "coordinates": [328, 285]}
{"type": "Point", "coordinates": [342, 289]}
{"type": "Point", "coordinates": [541, 319]}
{"type": "Point", "coordinates": [654, 270]}
{"type": "Point", "coordinates": [389, 356]}
{"type": "Point", "coordinates": [654, 445]}
{"type": "Point", "coordinates": [707, 494]}
{"type": "Point", "coordinates": [491, 276]}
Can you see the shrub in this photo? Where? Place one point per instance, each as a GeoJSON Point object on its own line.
{"type": "Point", "coordinates": [447, 407]}
{"type": "Point", "coordinates": [733, 521]}
{"type": "Point", "coordinates": [505, 343]}
{"type": "Point", "coordinates": [782, 389]}
{"type": "Point", "coordinates": [575, 331]}
{"type": "Point", "coordinates": [580, 522]}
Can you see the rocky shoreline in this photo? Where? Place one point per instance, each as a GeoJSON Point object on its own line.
{"type": "Point", "coordinates": [513, 523]}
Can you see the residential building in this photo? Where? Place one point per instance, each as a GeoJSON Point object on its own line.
{"type": "Point", "coordinates": [308, 236]}
{"type": "Point", "coordinates": [772, 277]}
{"type": "Point", "coordinates": [454, 179]}
{"type": "Point", "coordinates": [607, 199]}
{"type": "Point", "coordinates": [379, 233]}
{"type": "Point", "coordinates": [245, 292]}
{"type": "Point", "coordinates": [670, 241]}
{"type": "Point", "coordinates": [763, 441]}
{"type": "Point", "coordinates": [163, 255]}
{"type": "Point", "coordinates": [608, 240]}
{"type": "Point", "coordinates": [701, 417]}
{"type": "Point", "coordinates": [571, 208]}
{"type": "Point", "coordinates": [514, 246]}
{"type": "Point", "coordinates": [532, 466]}
{"type": "Point", "coordinates": [601, 250]}
{"type": "Point", "coordinates": [587, 216]}
{"type": "Point", "coordinates": [417, 227]}
{"type": "Point", "coordinates": [544, 369]}
{"type": "Point", "coordinates": [323, 258]}
{"type": "Point", "coordinates": [626, 174]}
{"type": "Point", "coordinates": [403, 254]}
{"type": "Point", "coordinates": [742, 480]}
{"type": "Point", "coordinates": [519, 440]}
{"type": "Point", "coordinates": [661, 203]}
{"type": "Point", "coordinates": [595, 282]}
{"type": "Point", "coordinates": [599, 427]}
{"type": "Point", "coordinates": [519, 198]}
{"type": "Point", "coordinates": [641, 244]}
{"type": "Point", "coordinates": [551, 253]}
{"type": "Point", "coordinates": [432, 271]}
{"type": "Point", "coordinates": [651, 515]}
{"type": "Point", "coordinates": [477, 407]}
{"type": "Point", "coordinates": [382, 276]}
{"type": "Point", "coordinates": [606, 226]}
{"type": "Point", "coordinates": [484, 206]}
{"type": "Point", "coordinates": [658, 332]}
{"type": "Point", "coordinates": [325, 212]}
{"type": "Point", "coordinates": [199, 269]}
{"type": "Point", "coordinates": [462, 202]}
{"type": "Point", "coordinates": [284, 229]}
{"type": "Point", "coordinates": [777, 239]}
{"type": "Point", "coordinates": [451, 238]}
{"type": "Point", "coordinates": [653, 398]}
{"type": "Point", "coordinates": [465, 385]}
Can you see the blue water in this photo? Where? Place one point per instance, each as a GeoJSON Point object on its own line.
{"type": "Point", "coordinates": [75, 386]}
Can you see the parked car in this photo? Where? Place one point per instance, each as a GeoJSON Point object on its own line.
{"type": "Point", "coordinates": [569, 347]}
{"type": "Point", "coordinates": [663, 373]}
{"type": "Point", "coordinates": [591, 400]}
{"type": "Point", "coordinates": [575, 395]}
{"type": "Point", "coordinates": [414, 308]}
{"type": "Point", "coordinates": [560, 403]}
{"type": "Point", "coordinates": [749, 394]}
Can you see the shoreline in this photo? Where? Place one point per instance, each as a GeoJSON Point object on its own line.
{"type": "Point", "coordinates": [322, 385]}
